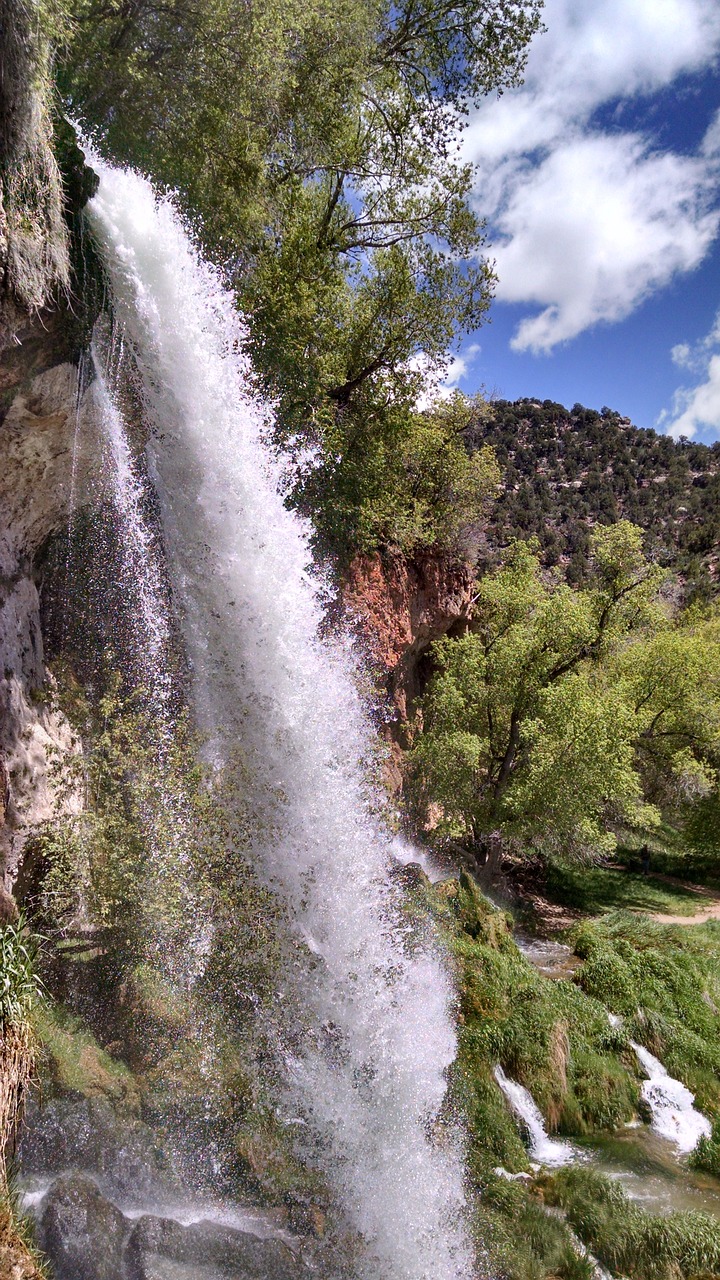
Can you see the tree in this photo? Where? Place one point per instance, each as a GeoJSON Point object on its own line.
{"type": "Point", "coordinates": [563, 709]}
{"type": "Point", "coordinates": [318, 148]}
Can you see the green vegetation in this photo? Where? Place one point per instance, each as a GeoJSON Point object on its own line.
{"type": "Point", "coordinates": [554, 1037]}
{"type": "Point", "coordinates": [551, 1036]}
{"type": "Point", "coordinates": [21, 988]}
{"type": "Point", "coordinates": [21, 999]}
{"type": "Point", "coordinates": [565, 470]}
{"type": "Point", "coordinates": [666, 981]}
{"type": "Point", "coordinates": [317, 150]}
{"type": "Point", "coordinates": [521, 1240]}
{"type": "Point", "coordinates": [563, 712]}
{"type": "Point", "coordinates": [629, 1240]}
{"type": "Point", "coordinates": [595, 890]}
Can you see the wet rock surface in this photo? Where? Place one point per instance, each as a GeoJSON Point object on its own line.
{"type": "Point", "coordinates": [81, 1232]}
{"type": "Point", "coordinates": [220, 1251]}
{"type": "Point", "coordinates": [86, 1236]}
{"type": "Point", "coordinates": [118, 1149]}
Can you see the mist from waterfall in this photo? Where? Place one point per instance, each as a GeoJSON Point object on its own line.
{"type": "Point", "coordinates": [367, 1082]}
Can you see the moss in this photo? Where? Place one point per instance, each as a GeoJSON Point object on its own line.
{"type": "Point", "coordinates": [549, 1035]}
{"type": "Point", "coordinates": [73, 1062]}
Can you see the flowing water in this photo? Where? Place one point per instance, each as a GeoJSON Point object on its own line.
{"type": "Point", "coordinates": [546, 1150]}
{"type": "Point", "coordinates": [674, 1115]}
{"type": "Point", "coordinates": [368, 1083]}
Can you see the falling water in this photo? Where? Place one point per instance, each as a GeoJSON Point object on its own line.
{"type": "Point", "coordinates": [671, 1104]}
{"type": "Point", "coordinates": [141, 578]}
{"type": "Point", "coordinates": [545, 1150]}
{"type": "Point", "coordinates": [369, 1081]}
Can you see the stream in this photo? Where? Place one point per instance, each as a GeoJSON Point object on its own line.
{"type": "Point", "coordinates": [646, 1158]}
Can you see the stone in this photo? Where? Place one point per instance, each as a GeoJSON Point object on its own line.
{"type": "Point", "coordinates": [103, 1141]}
{"type": "Point", "coordinates": [400, 605]}
{"type": "Point", "coordinates": [217, 1250]}
{"type": "Point", "coordinates": [81, 1232]}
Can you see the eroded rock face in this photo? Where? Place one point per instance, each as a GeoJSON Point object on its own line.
{"type": "Point", "coordinates": [39, 468]}
{"type": "Point", "coordinates": [402, 605]}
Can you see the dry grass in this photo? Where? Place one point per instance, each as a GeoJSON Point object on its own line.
{"type": "Point", "coordinates": [17, 1061]}
{"type": "Point", "coordinates": [17, 1258]}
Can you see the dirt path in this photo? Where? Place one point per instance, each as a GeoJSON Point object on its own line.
{"type": "Point", "coordinates": [704, 913]}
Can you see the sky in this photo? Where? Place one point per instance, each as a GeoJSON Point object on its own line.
{"type": "Point", "coordinates": [599, 180]}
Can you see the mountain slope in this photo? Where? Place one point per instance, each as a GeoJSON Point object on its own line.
{"type": "Point", "coordinates": [565, 470]}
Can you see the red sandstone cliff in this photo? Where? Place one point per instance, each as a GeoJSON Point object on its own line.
{"type": "Point", "coordinates": [402, 604]}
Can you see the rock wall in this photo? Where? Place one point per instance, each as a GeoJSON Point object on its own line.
{"type": "Point", "coordinates": [401, 605]}
{"type": "Point", "coordinates": [41, 463]}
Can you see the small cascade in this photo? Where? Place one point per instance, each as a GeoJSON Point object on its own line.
{"type": "Point", "coordinates": [366, 1081]}
{"type": "Point", "coordinates": [544, 1149]}
{"type": "Point", "coordinates": [674, 1115]}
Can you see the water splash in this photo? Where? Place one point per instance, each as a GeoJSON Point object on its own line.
{"type": "Point", "coordinates": [544, 1149]}
{"type": "Point", "coordinates": [370, 1079]}
{"type": "Point", "coordinates": [674, 1115]}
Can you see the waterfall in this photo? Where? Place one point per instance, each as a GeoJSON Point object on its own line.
{"type": "Point", "coordinates": [369, 1080]}
{"type": "Point", "coordinates": [545, 1150]}
{"type": "Point", "coordinates": [673, 1114]}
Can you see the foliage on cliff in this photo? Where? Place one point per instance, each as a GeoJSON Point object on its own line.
{"type": "Point", "coordinates": [34, 248]}
{"type": "Point", "coordinates": [563, 711]}
{"type": "Point", "coordinates": [564, 470]}
{"type": "Point", "coordinates": [317, 150]}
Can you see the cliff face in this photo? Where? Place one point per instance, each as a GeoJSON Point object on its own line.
{"type": "Point", "coordinates": [39, 413]}
{"type": "Point", "coordinates": [36, 441]}
{"type": "Point", "coordinates": [402, 604]}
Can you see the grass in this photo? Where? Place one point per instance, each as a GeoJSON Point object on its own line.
{"type": "Point", "coordinates": [21, 988]}
{"type": "Point", "coordinates": [521, 1240]}
{"type": "Point", "coordinates": [665, 981]}
{"type": "Point", "coordinates": [551, 1036]}
{"type": "Point", "coordinates": [597, 890]}
{"type": "Point", "coordinates": [554, 1036]}
{"type": "Point", "coordinates": [629, 1240]}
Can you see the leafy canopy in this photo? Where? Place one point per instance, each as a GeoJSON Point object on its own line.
{"type": "Point", "coordinates": [563, 709]}
{"type": "Point", "coordinates": [318, 147]}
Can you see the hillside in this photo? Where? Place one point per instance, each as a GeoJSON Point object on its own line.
{"type": "Point", "coordinates": [565, 470]}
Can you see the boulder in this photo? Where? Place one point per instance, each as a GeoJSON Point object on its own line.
{"type": "Point", "coordinates": [82, 1233]}
{"type": "Point", "coordinates": [208, 1250]}
{"type": "Point", "coordinates": [100, 1139]}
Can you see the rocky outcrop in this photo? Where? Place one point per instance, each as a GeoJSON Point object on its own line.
{"type": "Point", "coordinates": [82, 1232]}
{"type": "Point", "coordinates": [41, 462]}
{"type": "Point", "coordinates": [401, 605]}
{"type": "Point", "coordinates": [87, 1237]}
{"type": "Point", "coordinates": [34, 240]}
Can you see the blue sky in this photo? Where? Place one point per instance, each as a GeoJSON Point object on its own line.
{"type": "Point", "coordinates": [600, 183]}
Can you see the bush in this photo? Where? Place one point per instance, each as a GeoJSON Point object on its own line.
{"type": "Point", "coordinates": [706, 1155]}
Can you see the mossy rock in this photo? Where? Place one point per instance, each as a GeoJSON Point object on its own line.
{"type": "Point", "coordinates": [73, 1063]}
{"type": "Point", "coordinates": [268, 1166]}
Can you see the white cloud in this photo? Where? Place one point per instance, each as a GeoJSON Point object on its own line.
{"type": "Point", "coordinates": [594, 229]}
{"type": "Point", "coordinates": [681, 355]}
{"type": "Point", "coordinates": [696, 408]}
{"type": "Point", "coordinates": [440, 380]}
{"type": "Point", "coordinates": [586, 223]}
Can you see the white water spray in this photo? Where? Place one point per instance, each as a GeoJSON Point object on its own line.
{"type": "Point", "coordinates": [370, 1083]}
{"type": "Point", "coordinates": [545, 1150]}
{"type": "Point", "coordinates": [673, 1114]}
